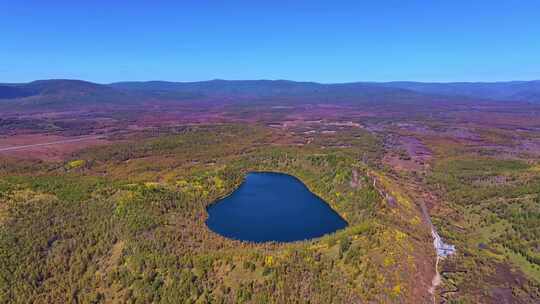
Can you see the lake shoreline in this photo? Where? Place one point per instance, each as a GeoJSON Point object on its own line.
{"type": "Point", "coordinates": [322, 219]}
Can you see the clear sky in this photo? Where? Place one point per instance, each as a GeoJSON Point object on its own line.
{"type": "Point", "coordinates": [326, 41]}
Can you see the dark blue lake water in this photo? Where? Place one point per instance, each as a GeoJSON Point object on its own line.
{"type": "Point", "coordinates": [272, 207]}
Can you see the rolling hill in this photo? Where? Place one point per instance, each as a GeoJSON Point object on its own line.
{"type": "Point", "coordinates": [528, 91]}
{"type": "Point", "coordinates": [63, 93]}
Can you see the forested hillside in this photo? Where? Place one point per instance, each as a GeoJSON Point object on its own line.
{"type": "Point", "coordinates": [125, 223]}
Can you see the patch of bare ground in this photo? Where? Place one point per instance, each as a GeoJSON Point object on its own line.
{"type": "Point", "coordinates": [3, 213]}
{"type": "Point", "coordinates": [505, 281]}
{"type": "Point", "coordinates": [503, 285]}
{"type": "Point", "coordinates": [407, 153]}
{"type": "Point", "coordinates": [48, 147]}
{"type": "Point", "coordinates": [355, 182]}
{"type": "Point", "coordinates": [112, 293]}
{"type": "Point", "coordinates": [455, 132]}
{"type": "Point", "coordinates": [529, 146]}
{"type": "Point", "coordinates": [423, 275]}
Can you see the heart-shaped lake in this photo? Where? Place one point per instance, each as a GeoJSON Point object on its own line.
{"type": "Point", "coordinates": [272, 207]}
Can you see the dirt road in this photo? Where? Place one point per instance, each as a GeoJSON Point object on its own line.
{"type": "Point", "coordinates": [13, 148]}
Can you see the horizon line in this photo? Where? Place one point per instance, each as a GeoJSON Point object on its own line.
{"type": "Point", "coordinates": [267, 79]}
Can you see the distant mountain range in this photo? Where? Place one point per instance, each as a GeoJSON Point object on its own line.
{"type": "Point", "coordinates": [528, 91]}
{"type": "Point", "coordinates": [59, 92]}
{"type": "Point", "coordinates": [510, 91]}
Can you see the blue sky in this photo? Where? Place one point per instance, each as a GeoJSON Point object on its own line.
{"type": "Point", "coordinates": [325, 41]}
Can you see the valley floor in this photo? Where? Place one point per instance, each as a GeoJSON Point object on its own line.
{"type": "Point", "coordinates": [120, 218]}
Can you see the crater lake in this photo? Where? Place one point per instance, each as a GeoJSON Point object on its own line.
{"type": "Point", "coordinates": [272, 207]}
